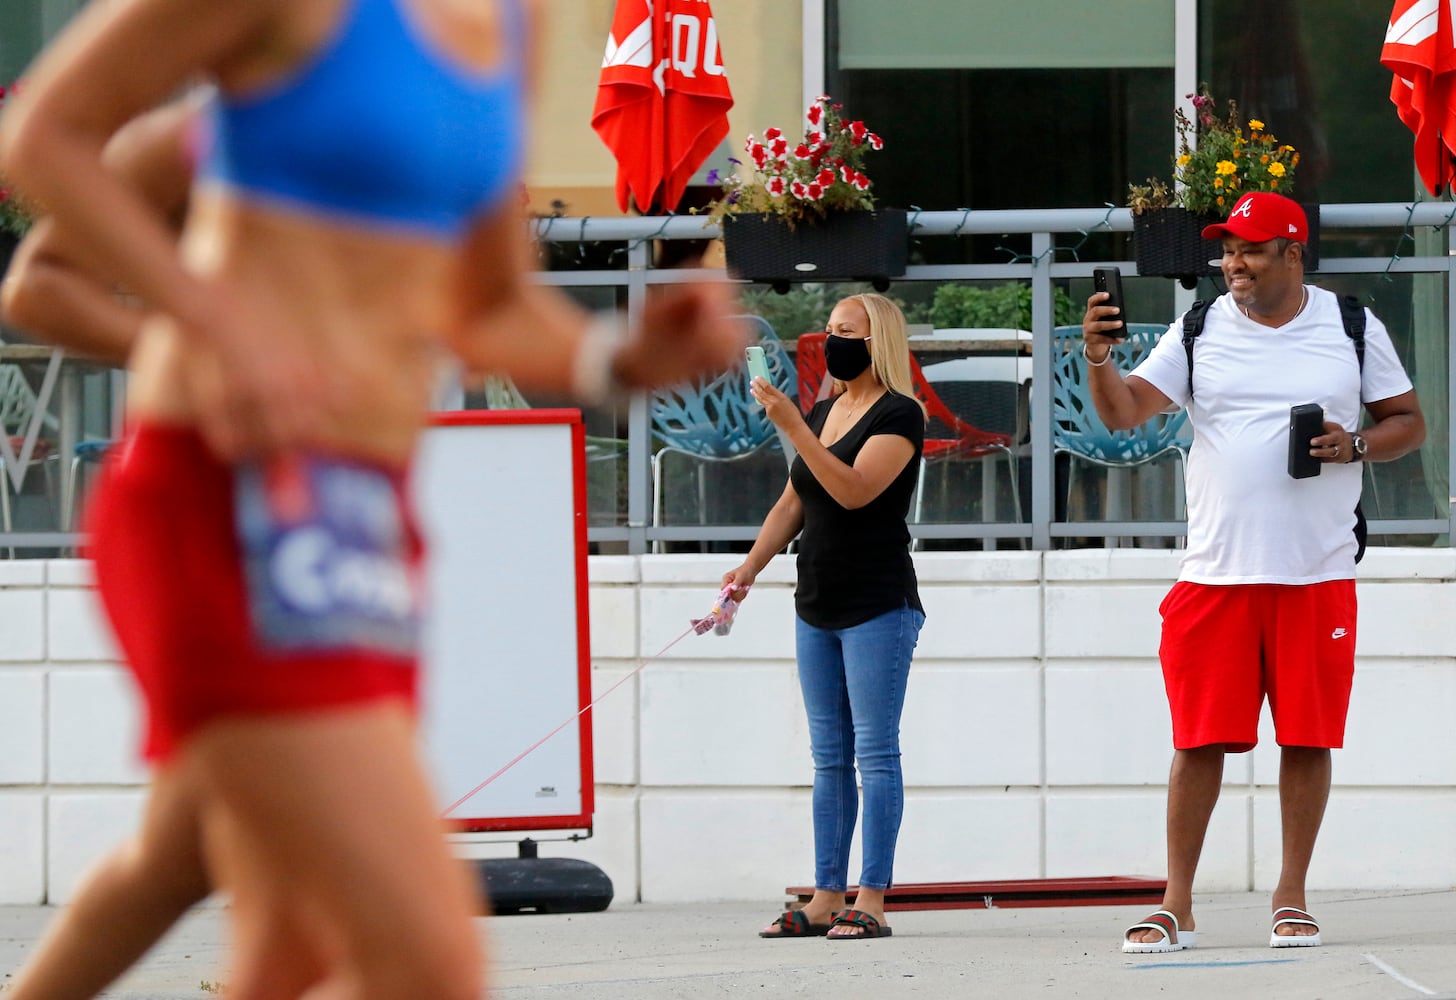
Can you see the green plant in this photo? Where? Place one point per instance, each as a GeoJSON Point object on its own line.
{"type": "Point", "coordinates": [1217, 162]}
{"type": "Point", "coordinates": [807, 306]}
{"type": "Point", "coordinates": [804, 308]}
{"type": "Point", "coordinates": [1007, 305]}
{"type": "Point", "coordinates": [821, 173]}
{"type": "Point", "coordinates": [15, 218]}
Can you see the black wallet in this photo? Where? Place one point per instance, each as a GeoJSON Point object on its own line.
{"type": "Point", "coordinates": [1307, 420]}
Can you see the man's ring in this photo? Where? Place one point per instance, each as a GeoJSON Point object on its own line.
{"type": "Point", "coordinates": [1337, 451]}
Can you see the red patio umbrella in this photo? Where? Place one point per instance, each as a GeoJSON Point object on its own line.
{"type": "Point", "coordinates": [663, 100]}
{"type": "Point", "coordinates": [1420, 50]}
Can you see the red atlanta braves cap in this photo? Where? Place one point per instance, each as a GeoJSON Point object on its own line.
{"type": "Point", "coordinates": [1260, 216]}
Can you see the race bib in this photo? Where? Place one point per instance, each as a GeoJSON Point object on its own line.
{"type": "Point", "coordinates": [326, 557]}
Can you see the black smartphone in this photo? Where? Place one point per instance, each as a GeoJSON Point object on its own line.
{"type": "Point", "coordinates": [1109, 280]}
{"type": "Point", "coordinates": [1307, 420]}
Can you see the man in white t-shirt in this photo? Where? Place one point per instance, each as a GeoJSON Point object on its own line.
{"type": "Point", "coordinates": [1264, 605]}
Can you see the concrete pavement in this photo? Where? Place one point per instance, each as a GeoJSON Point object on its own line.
{"type": "Point", "coordinates": [1395, 945]}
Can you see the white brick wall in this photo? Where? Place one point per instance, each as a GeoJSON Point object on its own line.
{"type": "Point", "coordinates": [1035, 735]}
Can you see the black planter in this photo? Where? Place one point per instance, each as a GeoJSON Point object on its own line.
{"type": "Point", "coordinates": [1169, 243]}
{"type": "Point", "coordinates": [1311, 249]}
{"type": "Point", "coordinates": [8, 242]}
{"type": "Point", "coordinates": [845, 246]}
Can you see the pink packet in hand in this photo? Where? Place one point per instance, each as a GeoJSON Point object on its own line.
{"type": "Point", "coordinates": [724, 610]}
{"type": "Point", "coordinates": [720, 619]}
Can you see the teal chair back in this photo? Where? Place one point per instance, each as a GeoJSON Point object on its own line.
{"type": "Point", "coordinates": [1077, 428]}
{"type": "Point", "coordinates": [718, 418]}
{"type": "Point", "coordinates": [717, 421]}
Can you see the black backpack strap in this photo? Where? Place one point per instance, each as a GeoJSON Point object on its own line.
{"type": "Point", "coordinates": [1193, 325]}
{"type": "Point", "coordinates": [1352, 314]}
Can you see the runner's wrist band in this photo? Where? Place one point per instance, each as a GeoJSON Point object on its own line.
{"type": "Point", "coordinates": [593, 378]}
{"type": "Point", "coordinates": [1096, 364]}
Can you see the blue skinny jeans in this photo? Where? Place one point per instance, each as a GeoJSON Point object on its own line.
{"type": "Point", "coordinates": [853, 681]}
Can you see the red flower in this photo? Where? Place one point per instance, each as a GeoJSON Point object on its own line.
{"type": "Point", "coordinates": [803, 179]}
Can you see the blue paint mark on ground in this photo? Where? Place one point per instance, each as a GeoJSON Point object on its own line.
{"type": "Point", "coordinates": [1212, 965]}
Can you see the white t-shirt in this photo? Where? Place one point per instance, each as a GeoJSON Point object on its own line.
{"type": "Point", "coordinates": [1248, 521]}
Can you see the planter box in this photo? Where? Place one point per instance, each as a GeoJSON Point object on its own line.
{"type": "Point", "coordinates": [1169, 243]}
{"type": "Point", "coordinates": [846, 246]}
{"type": "Point", "coordinates": [8, 243]}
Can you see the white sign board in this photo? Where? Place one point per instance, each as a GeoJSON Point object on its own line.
{"type": "Point", "coordinates": [501, 496]}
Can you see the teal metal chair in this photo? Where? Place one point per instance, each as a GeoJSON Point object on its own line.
{"type": "Point", "coordinates": [1080, 433]}
{"type": "Point", "coordinates": [717, 421]}
{"type": "Point", "coordinates": [18, 422]}
{"type": "Point", "coordinates": [88, 454]}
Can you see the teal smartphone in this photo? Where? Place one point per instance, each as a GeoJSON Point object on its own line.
{"type": "Point", "coordinates": [757, 364]}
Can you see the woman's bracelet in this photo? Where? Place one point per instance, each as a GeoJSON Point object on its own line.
{"type": "Point", "coordinates": [1096, 364]}
{"type": "Point", "coordinates": [594, 379]}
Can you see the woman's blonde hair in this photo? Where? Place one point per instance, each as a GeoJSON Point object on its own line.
{"type": "Point", "coordinates": [889, 344]}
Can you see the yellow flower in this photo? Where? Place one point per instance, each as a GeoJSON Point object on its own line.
{"type": "Point", "coordinates": [1225, 167]}
{"type": "Point", "coordinates": [1218, 182]}
{"type": "Point", "coordinates": [1220, 201]}
{"type": "Point", "coordinates": [1264, 158]}
{"type": "Point", "coordinates": [1276, 169]}
{"type": "Point", "coordinates": [1183, 160]}
{"type": "Point", "coordinates": [1255, 124]}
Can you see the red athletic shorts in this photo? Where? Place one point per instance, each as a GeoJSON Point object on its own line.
{"type": "Point", "coordinates": [169, 569]}
{"type": "Point", "coordinates": [1226, 647]}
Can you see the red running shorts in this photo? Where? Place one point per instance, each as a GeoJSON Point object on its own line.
{"type": "Point", "coordinates": [1226, 648]}
{"type": "Point", "coordinates": [169, 570]}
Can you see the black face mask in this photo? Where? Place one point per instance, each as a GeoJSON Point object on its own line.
{"type": "Point", "coordinates": [846, 357]}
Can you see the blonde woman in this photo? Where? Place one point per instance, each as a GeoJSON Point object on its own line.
{"type": "Point", "coordinates": [859, 613]}
{"type": "Point", "coordinates": [343, 237]}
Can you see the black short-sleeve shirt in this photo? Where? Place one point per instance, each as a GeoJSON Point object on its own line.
{"type": "Point", "coordinates": [855, 564]}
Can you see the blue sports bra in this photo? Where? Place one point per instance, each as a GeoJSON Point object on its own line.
{"type": "Point", "coordinates": [377, 128]}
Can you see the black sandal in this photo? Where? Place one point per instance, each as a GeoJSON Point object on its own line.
{"type": "Point", "coordinates": [869, 926]}
{"type": "Point", "coordinates": [793, 924]}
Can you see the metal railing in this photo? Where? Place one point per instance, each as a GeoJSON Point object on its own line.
{"type": "Point", "coordinates": [1041, 267]}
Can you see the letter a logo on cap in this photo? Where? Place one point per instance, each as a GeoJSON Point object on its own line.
{"type": "Point", "coordinates": [1260, 216]}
